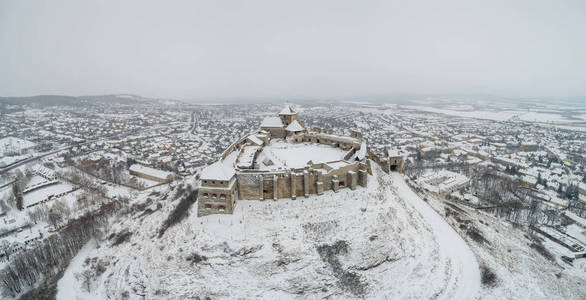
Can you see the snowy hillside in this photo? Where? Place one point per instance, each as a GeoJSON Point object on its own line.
{"type": "Point", "coordinates": [383, 242]}
{"type": "Point", "coordinates": [520, 270]}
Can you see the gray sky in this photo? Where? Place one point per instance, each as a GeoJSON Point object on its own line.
{"type": "Point", "coordinates": [197, 49]}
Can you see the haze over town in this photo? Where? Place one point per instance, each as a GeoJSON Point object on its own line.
{"type": "Point", "coordinates": [283, 49]}
{"type": "Point", "coordinates": [292, 149]}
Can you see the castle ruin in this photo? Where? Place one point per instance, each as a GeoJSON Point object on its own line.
{"type": "Point", "coordinates": [283, 160]}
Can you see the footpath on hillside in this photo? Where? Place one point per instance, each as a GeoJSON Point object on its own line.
{"type": "Point", "coordinates": [464, 280]}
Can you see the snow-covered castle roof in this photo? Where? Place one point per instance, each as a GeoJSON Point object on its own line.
{"type": "Point", "coordinates": [287, 110]}
{"type": "Point", "coordinates": [271, 122]}
{"type": "Point", "coordinates": [294, 126]}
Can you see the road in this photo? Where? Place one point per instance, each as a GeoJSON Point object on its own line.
{"type": "Point", "coordinates": [22, 162]}
{"type": "Point", "coordinates": [31, 159]}
{"type": "Point", "coordinates": [464, 278]}
{"type": "Point", "coordinates": [12, 231]}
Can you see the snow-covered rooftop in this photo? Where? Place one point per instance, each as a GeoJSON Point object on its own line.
{"type": "Point", "coordinates": [271, 122]}
{"type": "Point", "coordinates": [287, 110]}
{"type": "Point", "coordinates": [361, 153]}
{"type": "Point", "coordinates": [221, 170]}
{"type": "Point", "coordinates": [255, 140]}
{"type": "Point", "coordinates": [395, 153]}
{"type": "Point", "coordinates": [246, 158]}
{"type": "Point", "coordinates": [442, 181]}
{"type": "Point", "coordinates": [150, 171]}
{"type": "Point", "coordinates": [294, 126]}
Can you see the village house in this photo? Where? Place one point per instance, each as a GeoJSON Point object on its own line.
{"type": "Point", "coordinates": [150, 173]}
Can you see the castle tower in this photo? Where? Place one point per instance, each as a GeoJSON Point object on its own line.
{"type": "Point", "coordinates": [287, 115]}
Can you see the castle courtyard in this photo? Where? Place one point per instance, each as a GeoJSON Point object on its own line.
{"type": "Point", "coordinates": [280, 154]}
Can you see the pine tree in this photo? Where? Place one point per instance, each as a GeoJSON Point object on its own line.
{"type": "Point", "coordinates": [569, 191]}
{"type": "Point", "coordinates": [19, 202]}
{"type": "Point", "coordinates": [573, 192]}
{"type": "Point", "coordinates": [16, 191]}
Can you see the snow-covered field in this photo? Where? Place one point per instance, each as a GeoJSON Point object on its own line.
{"type": "Point", "coordinates": [489, 115]}
{"type": "Point", "coordinates": [504, 115]}
{"type": "Point", "coordinates": [13, 150]}
{"type": "Point", "coordinates": [8, 160]}
{"type": "Point", "coordinates": [9, 144]}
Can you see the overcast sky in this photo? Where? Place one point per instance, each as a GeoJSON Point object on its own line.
{"type": "Point", "coordinates": [197, 49]}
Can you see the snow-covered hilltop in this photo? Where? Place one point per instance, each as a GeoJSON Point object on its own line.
{"type": "Point", "coordinates": [383, 241]}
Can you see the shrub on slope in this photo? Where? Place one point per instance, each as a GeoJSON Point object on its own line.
{"type": "Point", "coordinates": [180, 212]}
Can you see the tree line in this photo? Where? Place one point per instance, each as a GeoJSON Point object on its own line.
{"type": "Point", "coordinates": [52, 255]}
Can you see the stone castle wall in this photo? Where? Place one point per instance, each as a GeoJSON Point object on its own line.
{"type": "Point", "coordinates": [249, 184]}
{"type": "Point", "coordinates": [216, 200]}
{"type": "Point", "coordinates": [301, 182]}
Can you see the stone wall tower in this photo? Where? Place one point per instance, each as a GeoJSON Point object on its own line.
{"type": "Point", "coordinates": [287, 115]}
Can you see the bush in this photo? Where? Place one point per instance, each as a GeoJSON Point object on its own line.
{"type": "Point", "coordinates": [349, 281]}
{"type": "Point", "coordinates": [120, 237]}
{"type": "Point", "coordinates": [180, 212]}
{"type": "Point", "coordinates": [195, 258]}
{"type": "Point", "coordinates": [488, 278]}
{"type": "Point", "coordinates": [538, 246]}
{"type": "Point", "coordinates": [476, 235]}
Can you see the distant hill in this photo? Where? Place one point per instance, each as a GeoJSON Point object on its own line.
{"type": "Point", "coordinates": [42, 100]}
{"type": "Point", "coordinates": [60, 100]}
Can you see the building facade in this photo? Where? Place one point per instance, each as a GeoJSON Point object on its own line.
{"type": "Point", "coordinates": [150, 173]}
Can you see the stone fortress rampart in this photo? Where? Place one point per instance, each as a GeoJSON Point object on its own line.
{"type": "Point", "coordinates": [244, 172]}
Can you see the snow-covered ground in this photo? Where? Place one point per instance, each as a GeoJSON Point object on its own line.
{"type": "Point", "coordinates": [464, 276]}
{"type": "Point", "coordinates": [577, 232]}
{"type": "Point", "coordinates": [11, 144]}
{"type": "Point", "coordinates": [13, 150]}
{"type": "Point", "coordinates": [381, 241]}
{"type": "Point", "coordinates": [296, 155]}
{"type": "Point", "coordinates": [520, 271]}
{"type": "Point", "coordinates": [66, 289]}
{"type": "Point", "coordinates": [8, 160]}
